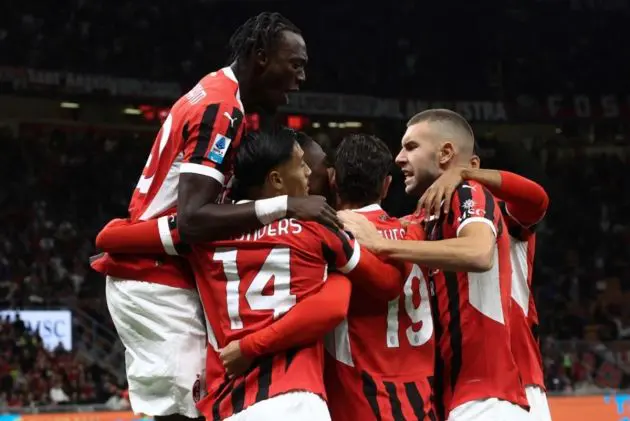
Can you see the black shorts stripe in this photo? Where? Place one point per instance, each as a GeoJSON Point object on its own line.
{"type": "Point", "coordinates": [206, 126]}
{"type": "Point", "coordinates": [264, 378]}
{"type": "Point", "coordinates": [454, 326]}
{"type": "Point", "coordinates": [415, 400]}
{"type": "Point", "coordinates": [394, 401]}
{"type": "Point", "coordinates": [370, 392]}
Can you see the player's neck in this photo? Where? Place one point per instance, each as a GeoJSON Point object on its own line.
{"type": "Point", "coordinates": [243, 77]}
{"type": "Point", "coordinates": [352, 206]}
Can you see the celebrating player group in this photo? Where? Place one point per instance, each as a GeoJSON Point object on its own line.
{"type": "Point", "coordinates": [257, 278]}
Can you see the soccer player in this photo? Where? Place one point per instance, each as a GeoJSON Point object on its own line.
{"type": "Point", "coordinates": [152, 299]}
{"type": "Point", "coordinates": [383, 353]}
{"type": "Point", "coordinates": [523, 204]}
{"type": "Point", "coordinates": [468, 259]}
{"type": "Point", "coordinates": [252, 279]}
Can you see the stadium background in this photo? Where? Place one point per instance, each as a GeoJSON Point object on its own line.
{"type": "Point", "coordinates": [84, 86]}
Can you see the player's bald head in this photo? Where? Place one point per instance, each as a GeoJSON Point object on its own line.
{"type": "Point", "coordinates": [448, 125]}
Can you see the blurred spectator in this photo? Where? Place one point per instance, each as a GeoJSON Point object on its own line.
{"type": "Point", "coordinates": [31, 375]}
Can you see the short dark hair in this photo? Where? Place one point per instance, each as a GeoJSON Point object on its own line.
{"type": "Point", "coordinates": [442, 114]}
{"type": "Point", "coordinates": [258, 32]}
{"type": "Point", "coordinates": [361, 164]}
{"type": "Point", "coordinates": [303, 139]}
{"type": "Point", "coordinates": [258, 154]}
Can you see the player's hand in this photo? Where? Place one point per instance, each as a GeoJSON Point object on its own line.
{"type": "Point", "coordinates": [234, 362]}
{"type": "Point", "coordinates": [442, 189]}
{"type": "Point", "coordinates": [362, 229]}
{"type": "Point", "coordinates": [313, 208]}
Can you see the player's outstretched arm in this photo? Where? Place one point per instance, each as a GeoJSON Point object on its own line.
{"type": "Point", "coordinates": [472, 250]}
{"type": "Point", "coordinates": [156, 236]}
{"type": "Point", "coordinates": [306, 322]}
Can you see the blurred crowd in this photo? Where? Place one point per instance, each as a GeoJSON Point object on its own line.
{"type": "Point", "coordinates": [30, 375]}
{"type": "Point", "coordinates": [360, 51]}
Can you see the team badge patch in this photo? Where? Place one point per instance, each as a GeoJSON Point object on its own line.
{"type": "Point", "coordinates": [196, 390]}
{"type": "Point", "coordinates": [219, 148]}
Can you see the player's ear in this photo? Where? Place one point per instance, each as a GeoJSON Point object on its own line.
{"type": "Point", "coordinates": [446, 153]}
{"type": "Point", "coordinates": [261, 58]}
{"type": "Point", "coordinates": [386, 183]}
{"type": "Point", "coordinates": [475, 162]}
{"type": "Point", "coordinates": [274, 178]}
{"type": "Point", "coordinates": [332, 179]}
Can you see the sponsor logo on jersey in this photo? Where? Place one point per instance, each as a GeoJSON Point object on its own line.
{"type": "Point", "coordinates": [219, 148]}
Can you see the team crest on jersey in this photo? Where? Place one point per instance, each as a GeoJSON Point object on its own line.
{"type": "Point", "coordinates": [219, 148]}
{"type": "Point", "coordinates": [199, 390]}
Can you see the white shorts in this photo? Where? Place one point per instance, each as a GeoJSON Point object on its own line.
{"type": "Point", "coordinates": [538, 405]}
{"type": "Point", "coordinates": [163, 331]}
{"type": "Point", "coordinates": [293, 406]}
{"type": "Point", "coordinates": [491, 409]}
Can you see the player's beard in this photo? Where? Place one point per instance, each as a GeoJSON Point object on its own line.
{"type": "Point", "coordinates": [422, 181]}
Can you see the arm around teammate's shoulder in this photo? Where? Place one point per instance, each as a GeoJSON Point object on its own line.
{"type": "Point", "coordinates": [471, 225]}
{"type": "Point", "coordinates": [210, 145]}
{"type": "Point", "coordinates": [201, 219]}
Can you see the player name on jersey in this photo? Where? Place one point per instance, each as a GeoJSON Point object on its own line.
{"type": "Point", "coordinates": [288, 226]}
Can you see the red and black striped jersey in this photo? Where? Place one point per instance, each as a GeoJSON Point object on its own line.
{"type": "Point", "coordinates": [248, 282]}
{"type": "Point", "coordinates": [200, 136]}
{"type": "Point", "coordinates": [382, 356]}
{"type": "Point", "coordinates": [524, 317]}
{"type": "Point", "coordinates": [472, 310]}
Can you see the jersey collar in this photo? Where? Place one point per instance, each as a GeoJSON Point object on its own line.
{"type": "Point", "coordinates": [229, 73]}
{"type": "Point", "coordinates": [369, 208]}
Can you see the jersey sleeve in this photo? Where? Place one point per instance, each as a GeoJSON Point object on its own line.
{"type": "Point", "coordinates": [305, 322]}
{"type": "Point", "coordinates": [211, 137]}
{"type": "Point", "coordinates": [516, 229]}
{"type": "Point", "coordinates": [472, 202]}
{"type": "Point", "coordinates": [156, 236]}
{"type": "Point", "coordinates": [526, 201]}
{"type": "Point", "coordinates": [365, 270]}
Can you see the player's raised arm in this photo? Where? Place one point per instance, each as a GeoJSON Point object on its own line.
{"type": "Point", "coordinates": [208, 153]}
{"type": "Point", "coordinates": [472, 218]}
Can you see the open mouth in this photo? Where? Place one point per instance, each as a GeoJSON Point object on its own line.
{"type": "Point", "coordinates": [289, 91]}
